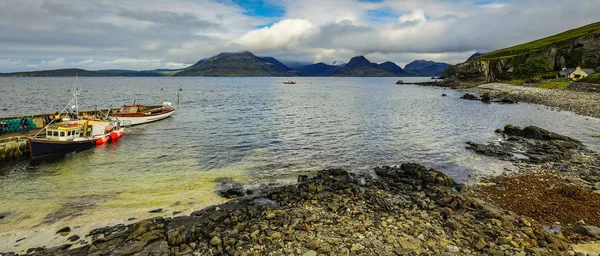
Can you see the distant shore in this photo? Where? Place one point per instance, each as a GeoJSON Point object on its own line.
{"type": "Point", "coordinates": [548, 207]}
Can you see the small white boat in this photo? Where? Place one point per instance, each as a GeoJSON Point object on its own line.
{"type": "Point", "coordinates": [289, 82]}
{"type": "Point", "coordinates": [141, 114]}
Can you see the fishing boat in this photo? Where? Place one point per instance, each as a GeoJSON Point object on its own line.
{"type": "Point", "coordinates": [140, 114]}
{"type": "Point", "coordinates": [71, 134]}
{"type": "Point", "coordinates": [289, 82]}
{"type": "Point", "coordinates": [76, 135]}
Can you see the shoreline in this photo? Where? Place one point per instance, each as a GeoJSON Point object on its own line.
{"type": "Point", "coordinates": [580, 102]}
{"type": "Point", "coordinates": [399, 210]}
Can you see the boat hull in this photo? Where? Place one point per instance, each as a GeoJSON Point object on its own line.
{"type": "Point", "coordinates": [41, 148]}
{"type": "Point", "coordinates": [137, 120]}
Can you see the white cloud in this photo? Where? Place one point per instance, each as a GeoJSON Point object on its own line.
{"type": "Point", "coordinates": [148, 34]}
{"type": "Point", "coordinates": [286, 34]}
{"type": "Point", "coordinates": [417, 15]}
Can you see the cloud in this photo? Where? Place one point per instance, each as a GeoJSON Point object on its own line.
{"type": "Point", "coordinates": [145, 34]}
{"type": "Point", "coordinates": [416, 16]}
{"type": "Point", "coordinates": [286, 34]}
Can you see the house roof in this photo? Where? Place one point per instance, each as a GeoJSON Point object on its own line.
{"type": "Point", "coordinates": [588, 71]}
{"type": "Point", "coordinates": [566, 72]}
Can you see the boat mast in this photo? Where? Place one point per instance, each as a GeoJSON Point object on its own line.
{"type": "Point", "coordinates": [75, 97]}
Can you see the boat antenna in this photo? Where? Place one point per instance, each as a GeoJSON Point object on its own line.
{"type": "Point", "coordinates": [73, 102]}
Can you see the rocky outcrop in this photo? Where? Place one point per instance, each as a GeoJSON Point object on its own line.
{"type": "Point", "coordinates": [400, 210]}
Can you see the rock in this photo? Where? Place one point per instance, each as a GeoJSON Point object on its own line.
{"type": "Point", "coordinates": [313, 245]}
{"type": "Point", "coordinates": [400, 82]}
{"type": "Point", "coordinates": [310, 253]}
{"type": "Point", "coordinates": [469, 96]}
{"type": "Point", "coordinates": [216, 241]}
{"type": "Point", "coordinates": [444, 95]}
{"type": "Point", "coordinates": [64, 231]}
{"type": "Point", "coordinates": [302, 178]}
{"type": "Point", "coordinates": [507, 101]}
{"type": "Point", "coordinates": [480, 244]}
{"type": "Point", "coordinates": [240, 226]}
{"type": "Point", "coordinates": [230, 189]}
{"type": "Point", "coordinates": [592, 231]}
{"type": "Point", "coordinates": [159, 210]}
{"type": "Point", "coordinates": [73, 238]}
{"type": "Point", "coordinates": [486, 98]}
{"type": "Point", "coordinates": [276, 235]}
{"type": "Point", "coordinates": [270, 216]}
{"type": "Point", "coordinates": [452, 248]}
{"type": "Point", "coordinates": [357, 248]}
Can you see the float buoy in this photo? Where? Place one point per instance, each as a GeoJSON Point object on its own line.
{"type": "Point", "coordinates": [102, 140]}
{"type": "Point", "coordinates": [114, 135]}
{"type": "Point", "coordinates": [120, 133]}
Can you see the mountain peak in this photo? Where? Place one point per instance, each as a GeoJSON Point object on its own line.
{"type": "Point", "coordinates": [359, 61]}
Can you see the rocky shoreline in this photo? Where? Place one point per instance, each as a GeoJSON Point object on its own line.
{"type": "Point", "coordinates": [580, 102]}
{"type": "Point", "coordinates": [550, 207]}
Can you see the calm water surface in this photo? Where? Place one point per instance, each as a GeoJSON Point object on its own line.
{"type": "Point", "coordinates": [254, 130]}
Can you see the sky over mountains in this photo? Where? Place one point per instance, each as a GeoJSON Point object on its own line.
{"type": "Point", "coordinates": [149, 34]}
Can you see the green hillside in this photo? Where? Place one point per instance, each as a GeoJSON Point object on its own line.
{"type": "Point", "coordinates": [557, 41]}
{"type": "Point", "coordinates": [236, 64]}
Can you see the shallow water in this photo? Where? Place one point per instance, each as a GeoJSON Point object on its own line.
{"type": "Point", "coordinates": [254, 130]}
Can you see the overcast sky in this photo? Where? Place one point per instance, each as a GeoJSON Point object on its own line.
{"type": "Point", "coordinates": [149, 34]}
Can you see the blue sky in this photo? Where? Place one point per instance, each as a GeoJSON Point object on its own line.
{"type": "Point", "coordinates": [149, 34]}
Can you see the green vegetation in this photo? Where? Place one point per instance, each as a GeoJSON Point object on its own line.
{"type": "Point", "coordinates": [587, 63]}
{"type": "Point", "coordinates": [547, 75]}
{"type": "Point", "coordinates": [557, 41]}
{"type": "Point", "coordinates": [593, 79]}
{"type": "Point", "coordinates": [554, 84]}
{"type": "Point", "coordinates": [532, 67]}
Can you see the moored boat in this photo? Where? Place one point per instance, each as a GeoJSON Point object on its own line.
{"type": "Point", "coordinates": [141, 114]}
{"type": "Point", "coordinates": [66, 135]}
{"type": "Point", "coordinates": [289, 82]}
{"type": "Point", "coordinates": [70, 136]}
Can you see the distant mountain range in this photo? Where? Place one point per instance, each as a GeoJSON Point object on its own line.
{"type": "Point", "coordinates": [246, 64]}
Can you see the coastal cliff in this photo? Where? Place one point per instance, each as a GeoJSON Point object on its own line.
{"type": "Point", "coordinates": [568, 49]}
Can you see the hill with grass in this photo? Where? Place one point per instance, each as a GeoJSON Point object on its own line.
{"type": "Point", "coordinates": [568, 49]}
{"type": "Point", "coordinates": [55, 72]}
{"type": "Point", "coordinates": [237, 64]}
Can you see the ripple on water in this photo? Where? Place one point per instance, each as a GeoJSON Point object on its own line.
{"type": "Point", "coordinates": [252, 130]}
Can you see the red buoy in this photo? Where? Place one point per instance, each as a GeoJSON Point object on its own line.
{"type": "Point", "coordinates": [114, 135]}
{"type": "Point", "coordinates": [101, 141]}
{"type": "Point", "coordinates": [121, 134]}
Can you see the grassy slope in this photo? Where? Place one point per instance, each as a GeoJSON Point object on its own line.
{"type": "Point", "coordinates": [541, 44]}
{"type": "Point", "coordinates": [593, 79]}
